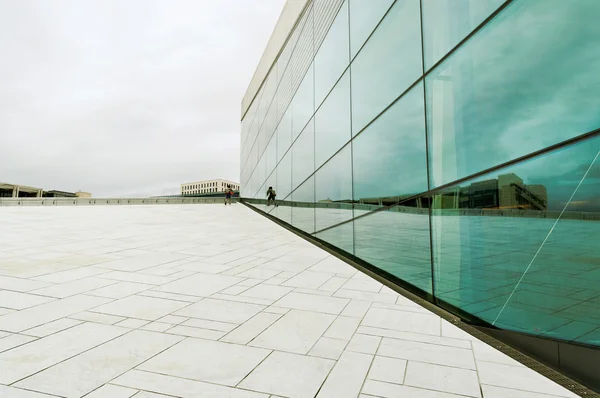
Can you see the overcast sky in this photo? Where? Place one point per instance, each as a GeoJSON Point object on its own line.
{"type": "Point", "coordinates": [126, 98]}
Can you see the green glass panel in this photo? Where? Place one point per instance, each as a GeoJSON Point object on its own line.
{"type": "Point", "coordinates": [388, 63]}
{"type": "Point", "coordinates": [303, 210]}
{"type": "Point", "coordinates": [303, 104]}
{"type": "Point", "coordinates": [397, 241]}
{"type": "Point", "coordinates": [447, 22]}
{"type": "Point", "coordinates": [284, 134]}
{"type": "Point", "coordinates": [529, 79]}
{"type": "Point", "coordinates": [271, 154]}
{"type": "Point", "coordinates": [341, 236]}
{"type": "Point", "coordinates": [333, 190]}
{"type": "Point", "coordinates": [519, 247]}
{"type": "Point", "coordinates": [332, 122]}
{"type": "Point", "coordinates": [303, 155]}
{"type": "Point", "coordinates": [333, 55]}
{"type": "Point", "coordinates": [364, 17]}
{"type": "Point", "coordinates": [284, 177]}
{"type": "Point", "coordinates": [389, 157]}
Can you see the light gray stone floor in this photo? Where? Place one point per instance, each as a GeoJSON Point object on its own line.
{"type": "Point", "coordinates": [217, 301]}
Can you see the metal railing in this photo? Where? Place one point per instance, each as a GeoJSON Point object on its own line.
{"type": "Point", "coordinates": [108, 201]}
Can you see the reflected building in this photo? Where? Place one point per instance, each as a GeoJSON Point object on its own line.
{"type": "Point", "coordinates": [507, 192]}
{"type": "Point", "coordinates": [452, 146]}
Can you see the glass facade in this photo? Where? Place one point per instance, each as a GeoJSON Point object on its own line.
{"type": "Point", "coordinates": [454, 145]}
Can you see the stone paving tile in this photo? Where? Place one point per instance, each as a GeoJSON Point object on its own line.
{"type": "Point", "coordinates": [198, 311]}
{"type": "Point", "coordinates": [87, 371]}
{"type": "Point", "coordinates": [132, 323]}
{"type": "Point", "coordinates": [442, 378]}
{"type": "Point", "coordinates": [346, 378]}
{"type": "Point", "coordinates": [364, 343]}
{"type": "Point", "coordinates": [112, 391]}
{"type": "Point", "coordinates": [343, 328]}
{"type": "Point", "coordinates": [140, 307]}
{"type": "Point", "coordinates": [309, 302]}
{"type": "Point", "coordinates": [52, 327]}
{"type": "Point", "coordinates": [20, 301]}
{"type": "Point", "coordinates": [221, 310]}
{"type": "Point", "coordinates": [389, 370]}
{"type": "Point", "coordinates": [209, 361]}
{"type": "Point", "coordinates": [246, 332]}
{"type": "Point", "coordinates": [290, 375]}
{"type": "Point", "coordinates": [74, 287]}
{"type": "Point", "coordinates": [296, 331]}
{"type": "Point", "coordinates": [14, 340]}
{"type": "Point", "coordinates": [18, 321]}
{"type": "Point", "coordinates": [200, 284]}
{"type": "Point", "coordinates": [28, 359]}
{"type": "Point", "coordinates": [120, 290]}
{"type": "Point", "coordinates": [180, 387]}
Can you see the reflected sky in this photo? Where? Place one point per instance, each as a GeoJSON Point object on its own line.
{"type": "Point", "coordinates": [526, 81]}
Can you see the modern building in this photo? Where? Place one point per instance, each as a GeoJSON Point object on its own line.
{"type": "Point", "coordinates": [482, 116]}
{"type": "Point", "coordinates": [59, 194]}
{"type": "Point", "coordinates": [23, 191]}
{"type": "Point", "coordinates": [208, 186]}
{"type": "Point", "coordinates": [19, 191]}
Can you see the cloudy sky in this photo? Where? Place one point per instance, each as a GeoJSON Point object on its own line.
{"type": "Point", "coordinates": [126, 98]}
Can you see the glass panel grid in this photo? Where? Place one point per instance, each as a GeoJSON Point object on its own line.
{"type": "Point", "coordinates": [513, 246]}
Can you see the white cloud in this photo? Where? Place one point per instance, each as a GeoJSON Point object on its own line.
{"type": "Point", "coordinates": [126, 98]}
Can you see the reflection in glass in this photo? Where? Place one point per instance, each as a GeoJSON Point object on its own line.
{"type": "Point", "coordinates": [271, 154]}
{"type": "Point", "coordinates": [333, 55]}
{"type": "Point", "coordinates": [388, 63]}
{"type": "Point", "coordinates": [283, 211]}
{"type": "Point", "coordinates": [519, 247]}
{"type": "Point", "coordinates": [389, 158]}
{"type": "Point", "coordinates": [303, 212]}
{"type": "Point", "coordinates": [364, 16]}
{"type": "Point", "coordinates": [341, 236]}
{"type": "Point", "coordinates": [397, 241]}
{"type": "Point", "coordinates": [284, 177]}
{"type": "Point", "coordinates": [303, 155]}
{"type": "Point", "coordinates": [260, 172]}
{"type": "Point", "coordinates": [447, 22]}
{"type": "Point", "coordinates": [303, 105]}
{"type": "Point", "coordinates": [268, 129]}
{"type": "Point", "coordinates": [333, 190]}
{"type": "Point", "coordinates": [501, 97]}
{"type": "Point", "coordinates": [284, 134]}
{"type": "Point", "coordinates": [332, 122]}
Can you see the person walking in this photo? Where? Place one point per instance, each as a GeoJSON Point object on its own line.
{"type": "Point", "coordinates": [228, 195]}
{"type": "Point", "coordinates": [271, 194]}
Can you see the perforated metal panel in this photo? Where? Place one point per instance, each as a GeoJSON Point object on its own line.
{"type": "Point", "coordinates": [290, 68]}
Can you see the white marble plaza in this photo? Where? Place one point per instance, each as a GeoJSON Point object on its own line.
{"type": "Point", "coordinates": [217, 301]}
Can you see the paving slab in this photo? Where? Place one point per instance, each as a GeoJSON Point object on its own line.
{"type": "Point", "coordinates": [163, 301]}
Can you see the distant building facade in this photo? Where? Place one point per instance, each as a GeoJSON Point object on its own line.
{"type": "Point", "coordinates": [59, 194]}
{"type": "Point", "coordinates": [19, 191]}
{"type": "Point", "coordinates": [208, 187]}
{"type": "Point", "coordinates": [23, 191]}
{"type": "Point", "coordinates": [506, 192]}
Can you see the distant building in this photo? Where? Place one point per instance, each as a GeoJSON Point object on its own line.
{"type": "Point", "coordinates": [208, 186]}
{"type": "Point", "coordinates": [59, 194]}
{"type": "Point", "coordinates": [24, 191]}
{"type": "Point", "coordinates": [506, 192]}
{"type": "Point", "coordinates": [19, 191]}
